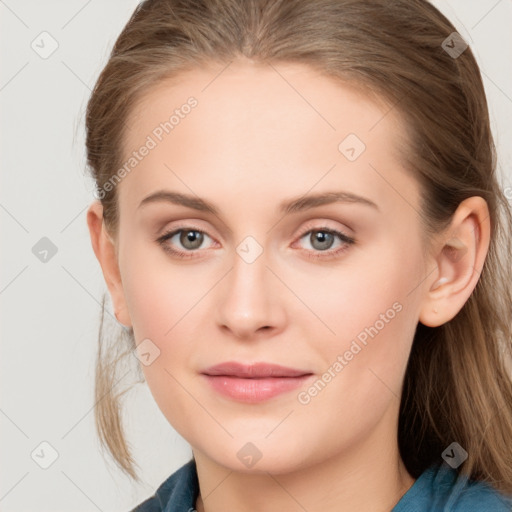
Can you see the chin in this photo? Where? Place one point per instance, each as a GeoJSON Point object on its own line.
{"type": "Point", "coordinates": [259, 456]}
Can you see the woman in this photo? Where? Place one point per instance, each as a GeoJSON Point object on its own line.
{"type": "Point", "coordinates": [301, 230]}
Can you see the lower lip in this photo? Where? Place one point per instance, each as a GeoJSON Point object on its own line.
{"type": "Point", "coordinates": [254, 390]}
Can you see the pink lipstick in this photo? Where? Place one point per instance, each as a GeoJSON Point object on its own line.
{"type": "Point", "coordinates": [254, 382]}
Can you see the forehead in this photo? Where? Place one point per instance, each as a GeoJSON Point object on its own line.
{"type": "Point", "coordinates": [269, 95]}
{"type": "Point", "coordinates": [281, 125]}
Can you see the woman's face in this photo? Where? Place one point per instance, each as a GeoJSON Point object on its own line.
{"type": "Point", "coordinates": [265, 282]}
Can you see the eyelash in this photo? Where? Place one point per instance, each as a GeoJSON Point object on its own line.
{"type": "Point", "coordinates": [328, 254]}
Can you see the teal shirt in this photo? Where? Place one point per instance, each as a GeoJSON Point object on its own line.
{"type": "Point", "coordinates": [438, 489]}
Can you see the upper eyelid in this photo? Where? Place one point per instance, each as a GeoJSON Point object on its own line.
{"type": "Point", "coordinates": [170, 233]}
{"type": "Point", "coordinates": [311, 225]}
{"type": "Point", "coordinates": [323, 228]}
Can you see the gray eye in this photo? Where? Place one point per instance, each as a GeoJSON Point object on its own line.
{"type": "Point", "coordinates": [321, 240]}
{"type": "Point", "coordinates": [191, 239]}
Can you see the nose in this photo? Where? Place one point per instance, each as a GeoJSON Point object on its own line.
{"type": "Point", "coordinates": [249, 301]}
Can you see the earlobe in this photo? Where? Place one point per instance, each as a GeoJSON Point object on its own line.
{"type": "Point", "coordinates": [105, 250]}
{"type": "Point", "coordinates": [459, 263]}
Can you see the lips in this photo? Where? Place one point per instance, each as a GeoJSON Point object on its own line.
{"type": "Point", "coordinates": [253, 371]}
{"type": "Point", "coordinates": [255, 382]}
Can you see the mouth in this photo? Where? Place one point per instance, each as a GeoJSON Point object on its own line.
{"type": "Point", "coordinates": [255, 382]}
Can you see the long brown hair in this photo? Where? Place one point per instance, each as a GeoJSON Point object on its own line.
{"type": "Point", "coordinates": [457, 385]}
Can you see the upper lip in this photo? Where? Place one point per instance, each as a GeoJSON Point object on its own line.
{"type": "Point", "coordinates": [254, 371]}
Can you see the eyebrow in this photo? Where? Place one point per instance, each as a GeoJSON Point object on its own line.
{"type": "Point", "coordinates": [286, 207]}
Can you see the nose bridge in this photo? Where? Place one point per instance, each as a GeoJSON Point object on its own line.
{"type": "Point", "coordinates": [247, 301]}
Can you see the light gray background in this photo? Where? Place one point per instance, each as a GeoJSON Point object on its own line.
{"type": "Point", "coordinates": [50, 310]}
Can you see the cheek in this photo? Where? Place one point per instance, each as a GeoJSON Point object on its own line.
{"type": "Point", "coordinates": [354, 295]}
{"type": "Point", "coordinates": [161, 306]}
{"type": "Point", "coordinates": [165, 302]}
{"type": "Point", "coordinates": [157, 291]}
{"type": "Point", "coordinates": [152, 304]}
{"type": "Point", "coordinates": [363, 365]}
{"type": "Point", "coordinates": [372, 315]}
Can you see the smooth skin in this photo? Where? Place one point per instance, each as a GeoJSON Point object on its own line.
{"type": "Point", "coordinates": [261, 135]}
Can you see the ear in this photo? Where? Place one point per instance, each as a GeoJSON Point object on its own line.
{"type": "Point", "coordinates": [106, 252]}
{"type": "Point", "coordinates": [460, 256]}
